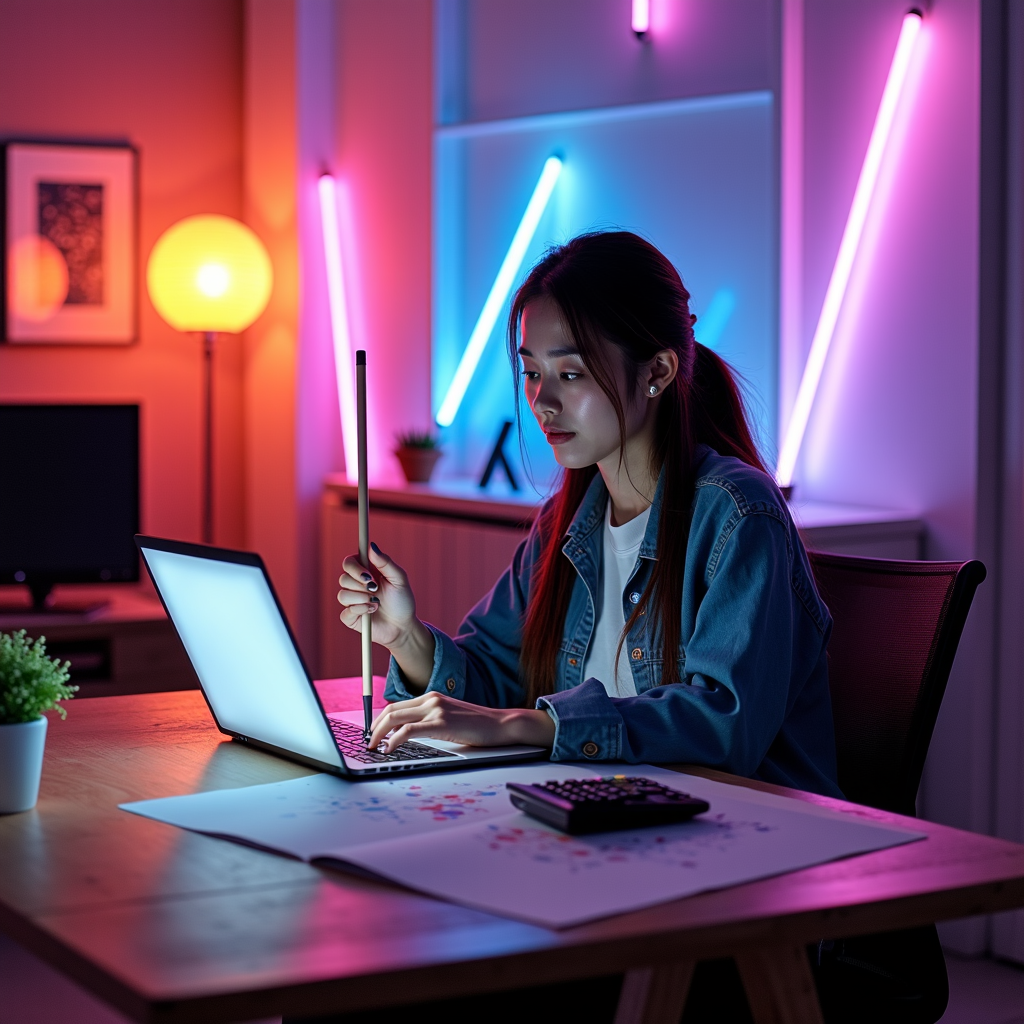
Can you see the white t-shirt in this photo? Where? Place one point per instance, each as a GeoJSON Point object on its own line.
{"type": "Point", "coordinates": [621, 547]}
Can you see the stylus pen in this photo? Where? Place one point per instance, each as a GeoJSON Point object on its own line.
{"type": "Point", "coordinates": [364, 536]}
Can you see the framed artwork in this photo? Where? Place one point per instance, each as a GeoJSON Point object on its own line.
{"type": "Point", "coordinates": [70, 244]}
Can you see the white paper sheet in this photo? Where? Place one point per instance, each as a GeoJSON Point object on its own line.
{"type": "Point", "coordinates": [320, 814]}
{"type": "Point", "coordinates": [456, 836]}
{"type": "Point", "coordinates": [519, 867]}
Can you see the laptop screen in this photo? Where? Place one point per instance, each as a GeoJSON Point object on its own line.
{"type": "Point", "coordinates": [236, 637]}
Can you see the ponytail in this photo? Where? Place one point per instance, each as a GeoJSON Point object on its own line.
{"type": "Point", "coordinates": [717, 415]}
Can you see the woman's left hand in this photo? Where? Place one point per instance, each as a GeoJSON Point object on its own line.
{"type": "Point", "coordinates": [445, 718]}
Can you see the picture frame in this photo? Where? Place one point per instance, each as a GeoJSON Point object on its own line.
{"type": "Point", "coordinates": [70, 244]}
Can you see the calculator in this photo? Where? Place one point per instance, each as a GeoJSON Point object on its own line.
{"type": "Point", "coordinates": [606, 804]}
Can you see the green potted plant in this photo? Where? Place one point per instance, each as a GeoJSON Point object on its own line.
{"type": "Point", "coordinates": [30, 683]}
{"type": "Point", "coordinates": [418, 452]}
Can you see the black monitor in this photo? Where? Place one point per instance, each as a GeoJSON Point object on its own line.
{"type": "Point", "coordinates": [69, 495]}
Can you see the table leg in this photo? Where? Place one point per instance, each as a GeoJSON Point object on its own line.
{"type": "Point", "coordinates": [654, 995]}
{"type": "Point", "coordinates": [780, 986]}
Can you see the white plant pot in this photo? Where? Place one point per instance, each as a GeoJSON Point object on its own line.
{"type": "Point", "coordinates": [21, 764]}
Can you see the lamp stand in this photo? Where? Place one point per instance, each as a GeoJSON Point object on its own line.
{"type": "Point", "coordinates": [208, 339]}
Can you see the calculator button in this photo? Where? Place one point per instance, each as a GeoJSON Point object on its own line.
{"type": "Point", "coordinates": [605, 804]}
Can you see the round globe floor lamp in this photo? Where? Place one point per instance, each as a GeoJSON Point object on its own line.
{"type": "Point", "coordinates": [209, 274]}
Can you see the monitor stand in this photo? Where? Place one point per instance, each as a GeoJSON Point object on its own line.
{"type": "Point", "coordinates": [44, 605]}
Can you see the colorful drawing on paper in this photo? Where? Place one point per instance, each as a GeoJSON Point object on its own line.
{"type": "Point", "coordinates": [410, 804]}
{"type": "Point", "coordinates": [682, 846]}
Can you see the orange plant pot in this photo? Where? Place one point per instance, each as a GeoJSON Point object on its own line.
{"type": "Point", "coordinates": [418, 463]}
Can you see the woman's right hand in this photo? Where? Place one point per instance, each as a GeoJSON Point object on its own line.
{"type": "Point", "coordinates": [382, 591]}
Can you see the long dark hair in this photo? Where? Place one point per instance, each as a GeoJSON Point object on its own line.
{"type": "Point", "coordinates": [615, 287]}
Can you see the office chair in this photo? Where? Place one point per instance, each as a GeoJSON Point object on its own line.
{"type": "Point", "coordinates": [896, 627]}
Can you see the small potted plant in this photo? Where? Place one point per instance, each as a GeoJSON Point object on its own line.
{"type": "Point", "coordinates": [418, 453]}
{"type": "Point", "coordinates": [30, 683]}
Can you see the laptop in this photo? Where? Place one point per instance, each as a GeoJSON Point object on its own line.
{"type": "Point", "coordinates": [255, 682]}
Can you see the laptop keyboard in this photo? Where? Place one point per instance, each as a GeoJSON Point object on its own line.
{"type": "Point", "coordinates": [351, 744]}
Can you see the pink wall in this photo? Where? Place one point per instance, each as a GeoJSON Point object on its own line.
{"type": "Point", "coordinates": [384, 124]}
{"type": "Point", "coordinates": [318, 442]}
{"type": "Point", "coordinates": [363, 111]}
{"type": "Point", "coordinates": [895, 424]}
{"type": "Point", "coordinates": [165, 75]}
{"type": "Point", "coordinates": [271, 522]}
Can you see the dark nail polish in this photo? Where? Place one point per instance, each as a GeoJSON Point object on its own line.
{"type": "Point", "coordinates": [376, 550]}
{"type": "Point", "coordinates": [366, 577]}
{"type": "Point", "coordinates": [371, 587]}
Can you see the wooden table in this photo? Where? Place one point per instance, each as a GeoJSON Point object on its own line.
{"type": "Point", "coordinates": [171, 926]}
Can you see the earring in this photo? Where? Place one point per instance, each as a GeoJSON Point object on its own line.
{"type": "Point", "coordinates": [653, 389]}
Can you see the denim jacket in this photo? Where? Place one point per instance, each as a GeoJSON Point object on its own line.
{"type": "Point", "coordinates": [754, 699]}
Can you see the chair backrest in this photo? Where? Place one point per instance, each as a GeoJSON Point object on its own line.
{"type": "Point", "coordinates": [896, 627]}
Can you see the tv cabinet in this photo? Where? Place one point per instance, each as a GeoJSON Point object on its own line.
{"type": "Point", "coordinates": [126, 645]}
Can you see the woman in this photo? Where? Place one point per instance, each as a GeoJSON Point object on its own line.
{"type": "Point", "coordinates": [662, 608]}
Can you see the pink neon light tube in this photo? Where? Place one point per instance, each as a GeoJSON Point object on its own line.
{"type": "Point", "coordinates": [343, 354]}
{"type": "Point", "coordinates": [841, 271]}
{"type": "Point", "coordinates": [641, 16]}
